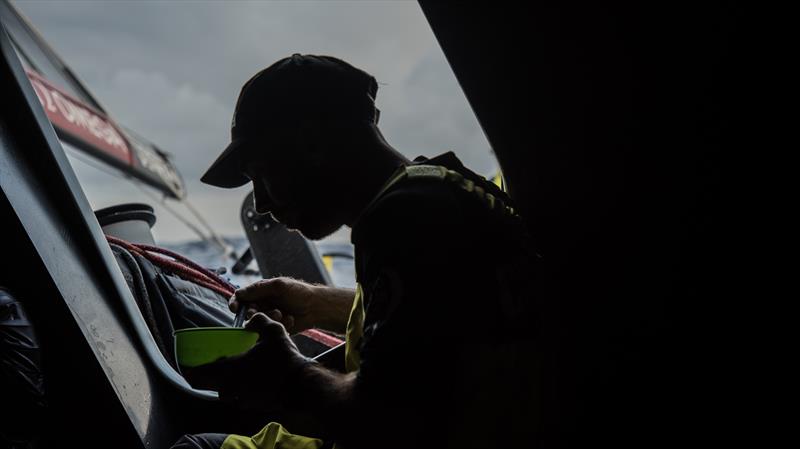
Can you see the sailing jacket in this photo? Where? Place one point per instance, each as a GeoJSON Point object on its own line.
{"type": "Point", "coordinates": [445, 288]}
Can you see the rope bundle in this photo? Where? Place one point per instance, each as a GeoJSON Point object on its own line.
{"type": "Point", "coordinates": [192, 272]}
{"type": "Point", "coordinates": [179, 265]}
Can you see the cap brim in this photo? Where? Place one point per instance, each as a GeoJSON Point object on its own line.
{"type": "Point", "coordinates": [226, 171]}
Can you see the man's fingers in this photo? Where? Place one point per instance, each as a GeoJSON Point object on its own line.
{"type": "Point", "coordinates": [260, 294]}
{"type": "Point", "coordinates": [264, 325]}
{"type": "Point", "coordinates": [211, 376]}
{"type": "Point", "coordinates": [233, 304]}
{"type": "Point", "coordinates": [258, 323]}
{"type": "Point", "coordinates": [288, 323]}
{"type": "Point", "coordinates": [262, 290]}
{"type": "Point", "coordinates": [286, 320]}
{"type": "Point", "coordinates": [276, 315]}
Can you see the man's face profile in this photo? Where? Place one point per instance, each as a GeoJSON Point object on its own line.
{"type": "Point", "coordinates": [289, 186]}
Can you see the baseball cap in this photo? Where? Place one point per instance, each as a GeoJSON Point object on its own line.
{"type": "Point", "coordinates": [294, 89]}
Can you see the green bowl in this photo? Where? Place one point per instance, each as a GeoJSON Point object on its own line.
{"type": "Point", "coordinates": [201, 345]}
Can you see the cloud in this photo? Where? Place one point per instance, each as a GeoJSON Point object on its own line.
{"type": "Point", "coordinates": [428, 114]}
{"type": "Point", "coordinates": [171, 71]}
{"type": "Point", "coordinates": [191, 124]}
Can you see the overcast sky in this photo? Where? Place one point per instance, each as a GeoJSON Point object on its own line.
{"type": "Point", "coordinates": [171, 71]}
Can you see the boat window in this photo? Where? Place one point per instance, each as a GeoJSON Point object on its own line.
{"type": "Point", "coordinates": [178, 89]}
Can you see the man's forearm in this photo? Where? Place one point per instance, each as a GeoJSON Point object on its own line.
{"type": "Point", "coordinates": [325, 395]}
{"type": "Point", "coordinates": [335, 309]}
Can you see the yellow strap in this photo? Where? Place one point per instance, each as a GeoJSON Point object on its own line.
{"type": "Point", "coordinates": [272, 436]}
{"type": "Point", "coordinates": [328, 262]}
{"type": "Point", "coordinates": [444, 174]}
{"type": "Point", "coordinates": [355, 330]}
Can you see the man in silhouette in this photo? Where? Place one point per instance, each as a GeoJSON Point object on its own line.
{"type": "Point", "coordinates": [442, 267]}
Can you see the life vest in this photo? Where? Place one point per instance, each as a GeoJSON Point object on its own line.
{"type": "Point", "coordinates": [494, 202]}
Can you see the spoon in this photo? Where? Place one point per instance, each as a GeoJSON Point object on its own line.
{"type": "Point", "coordinates": [239, 320]}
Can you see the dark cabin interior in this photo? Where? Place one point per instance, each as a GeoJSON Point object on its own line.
{"type": "Point", "coordinates": [611, 123]}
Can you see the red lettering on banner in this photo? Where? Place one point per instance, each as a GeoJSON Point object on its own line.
{"type": "Point", "coordinates": [79, 120]}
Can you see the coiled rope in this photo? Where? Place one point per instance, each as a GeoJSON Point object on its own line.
{"type": "Point", "coordinates": [190, 271]}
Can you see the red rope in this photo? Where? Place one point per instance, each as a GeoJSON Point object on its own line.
{"type": "Point", "coordinates": [321, 337]}
{"type": "Point", "coordinates": [192, 272]}
{"type": "Point", "coordinates": [181, 266]}
{"type": "Point", "coordinates": [180, 258]}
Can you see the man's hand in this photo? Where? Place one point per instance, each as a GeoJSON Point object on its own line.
{"type": "Point", "coordinates": [257, 378]}
{"type": "Point", "coordinates": [296, 304]}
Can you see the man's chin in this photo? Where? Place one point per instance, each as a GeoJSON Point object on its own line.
{"type": "Point", "coordinates": [313, 233]}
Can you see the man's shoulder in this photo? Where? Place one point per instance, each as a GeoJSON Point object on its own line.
{"type": "Point", "coordinates": [414, 205]}
{"type": "Point", "coordinates": [435, 206]}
